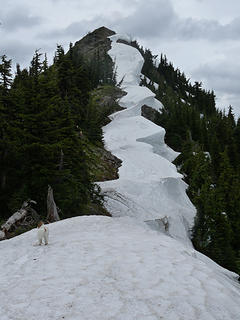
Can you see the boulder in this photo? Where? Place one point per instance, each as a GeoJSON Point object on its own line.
{"type": "Point", "coordinates": [149, 113]}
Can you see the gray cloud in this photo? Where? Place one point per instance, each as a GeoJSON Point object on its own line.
{"type": "Point", "coordinates": [75, 29]}
{"type": "Point", "coordinates": [19, 18]}
{"type": "Point", "coordinates": [154, 19]}
{"type": "Point", "coordinates": [18, 52]}
{"type": "Point", "coordinates": [224, 79]}
{"type": "Point", "coordinates": [157, 19]}
{"type": "Point", "coordinates": [224, 76]}
{"type": "Point", "coordinates": [190, 29]}
{"type": "Point", "coordinates": [150, 19]}
{"type": "Point", "coordinates": [232, 30]}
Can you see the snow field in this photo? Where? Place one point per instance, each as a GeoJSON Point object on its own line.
{"type": "Point", "coordinates": [103, 268]}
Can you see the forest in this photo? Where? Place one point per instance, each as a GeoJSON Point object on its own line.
{"type": "Point", "coordinates": [50, 125]}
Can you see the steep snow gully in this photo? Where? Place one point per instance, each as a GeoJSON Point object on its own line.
{"type": "Point", "coordinates": [149, 187]}
{"type": "Point", "coordinates": [102, 268]}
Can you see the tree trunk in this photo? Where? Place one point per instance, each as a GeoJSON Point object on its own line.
{"type": "Point", "coordinates": [52, 212]}
{"type": "Point", "coordinates": [24, 217]}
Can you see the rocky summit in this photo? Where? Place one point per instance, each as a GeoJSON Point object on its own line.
{"type": "Point", "coordinates": [93, 43]}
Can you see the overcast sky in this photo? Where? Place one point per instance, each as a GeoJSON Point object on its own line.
{"type": "Point", "coordinates": [201, 37]}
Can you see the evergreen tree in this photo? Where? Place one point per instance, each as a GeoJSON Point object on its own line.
{"type": "Point", "coordinates": [45, 131]}
{"type": "Point", "coordinates": [6, 146]}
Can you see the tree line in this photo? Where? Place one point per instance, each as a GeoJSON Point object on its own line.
{"type": "Point", "coordinates": [48, 120]}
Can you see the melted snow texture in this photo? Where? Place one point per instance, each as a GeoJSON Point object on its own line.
{"type": "Point", "coordinates": [149, 186]}
{"type": "Point", "coordinates": [99, 268]}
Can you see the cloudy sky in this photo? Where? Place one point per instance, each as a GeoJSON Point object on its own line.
{"type": "Point", "coordinates": [201, 37]}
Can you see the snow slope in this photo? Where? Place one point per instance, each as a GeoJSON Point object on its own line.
{"type": "Point", "coordinates": [149, 186]}
{"type": "Point", "coordinates": [128, 267]}
{"type": "Point", "coordinates": [100, 268]}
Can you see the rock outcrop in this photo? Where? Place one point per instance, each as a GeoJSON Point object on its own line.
{"type": "Point", "coordinates": [94, 43]}
{"type": "Point", "coordinates": [149, 113]}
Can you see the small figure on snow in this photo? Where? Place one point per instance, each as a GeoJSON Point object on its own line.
{"type": "Point", "coordinates": [43, 233]}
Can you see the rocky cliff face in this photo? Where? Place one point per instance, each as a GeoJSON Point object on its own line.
{"type": "Point", "coordinates": [92, 50]}
{"type": "Point", "coordinates": [94, 43]}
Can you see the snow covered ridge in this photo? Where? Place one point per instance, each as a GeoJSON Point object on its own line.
{"type": "Point", "coordinates": [100, 268]}
{"type": "Point", "coordinates": [149, 186]}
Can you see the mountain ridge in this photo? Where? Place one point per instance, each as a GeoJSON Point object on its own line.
{"type": "Point", "coordinates": [140, 263]}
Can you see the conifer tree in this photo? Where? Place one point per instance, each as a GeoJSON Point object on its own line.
{"type": "Point", "coordinates": [6, 147]}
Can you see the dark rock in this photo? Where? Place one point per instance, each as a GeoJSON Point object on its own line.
{"type": "Point", "coordinates": [96, 210]}
{"type": "Point", "coordinates": [112, 162]}
{"type": "Point", "coordinates": [93, 43]}
{"type": "Point", "coordinates": [149, 113]}
{"type": "Point", "coordinates": [105, 165]}
{"type": "Point", "coordinates": [124, 42]}
{"type": "Point", "coordinates": [107, 98]}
